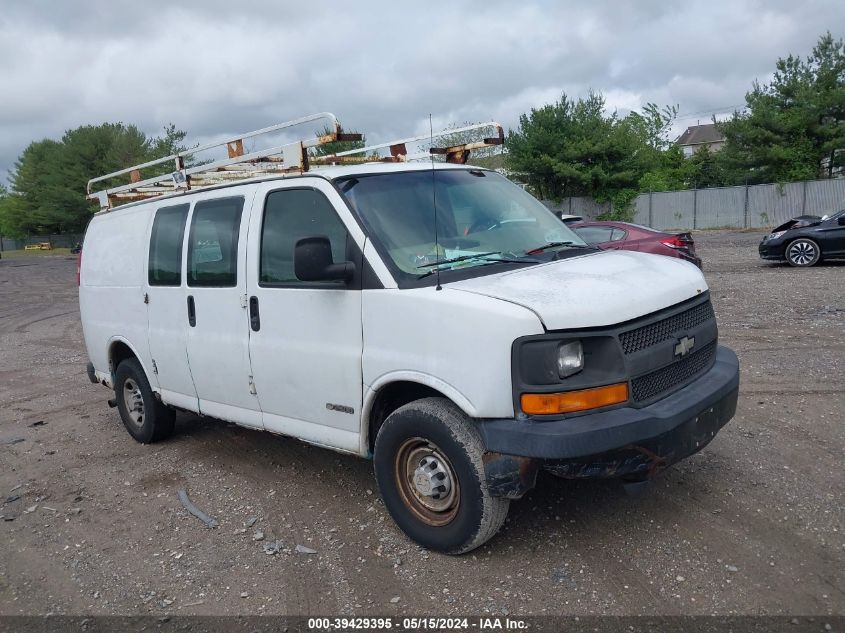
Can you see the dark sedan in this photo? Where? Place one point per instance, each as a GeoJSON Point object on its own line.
{"type": "Point", "coordinates": [634, 237]}
{"type": "Point", "coordinates": [806, 240]}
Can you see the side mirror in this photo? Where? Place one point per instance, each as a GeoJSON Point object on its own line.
{"type": "Point", "coordinates": [841, 220]}
{"type": "Point", "coordinates": [312, 261]}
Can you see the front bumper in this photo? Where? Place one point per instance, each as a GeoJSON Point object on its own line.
{"type": "Point", "coordinates": [625, 442]}
{"type": "Point", "coordinates": [773, 249]}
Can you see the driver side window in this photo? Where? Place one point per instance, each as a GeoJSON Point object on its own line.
{"type": "Point", "coordinates": [289, 216]}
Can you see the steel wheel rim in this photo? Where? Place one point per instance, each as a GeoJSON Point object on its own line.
{"type": "Point", "coordinates": [426, 482]}
{"type": "Point", "coordinates": [802, 253]}
{"type": "Point", "coordinates": [133, 400]}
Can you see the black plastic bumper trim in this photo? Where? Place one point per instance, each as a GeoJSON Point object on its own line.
{"type": "Point", "coordinates": [772, 251]}
{"type": "Point", "coordinates": [715, 393]}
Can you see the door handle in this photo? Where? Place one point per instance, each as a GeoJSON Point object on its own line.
{"type": "Point", "coordinates": [192, 312]}
{"type": "Point", "coordinates": [254, 316]}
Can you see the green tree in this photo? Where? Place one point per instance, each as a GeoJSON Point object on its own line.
{"type": "Point", "coordinates": [564, 149]}
{"type": "Point", "coordinates": [705, 169]}
{"type": "Point", "coordinates": [40, 199]}
{"type": "Point", "coordinates": [653, 125]}
{"type": "Point", "coordinates": [672, 171]}
{"type": "Point", "coordinates": [170, 143]}
{"type": "Point", "coordinates": [50, 177]}
{"type": "Point", "coordinates": [5, 229]}
{"type": "Point", "coordinates": [12, 217]}
{"type": "Point", "coordinates": [575, 148]}
{"type": "Point", "coordinates": [794, 127]}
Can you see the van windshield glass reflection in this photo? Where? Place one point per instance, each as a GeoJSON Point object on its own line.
{"type": "Point", "coordinates": [481, 216]}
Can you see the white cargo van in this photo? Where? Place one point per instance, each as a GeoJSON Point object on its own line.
{"type": "Point", "coordinates": [431, 316]}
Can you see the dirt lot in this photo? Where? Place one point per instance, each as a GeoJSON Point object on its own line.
{"type": "Point", "coordinates": [752, 525]}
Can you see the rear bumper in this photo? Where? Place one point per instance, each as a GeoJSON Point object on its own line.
{"type": "Point", "coordinates": [692, 259]}
{"type": "Point", "coordinates": [625, 442]}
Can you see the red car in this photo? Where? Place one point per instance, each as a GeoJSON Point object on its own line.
{"type": "Point", "coordinates": [634, 237]}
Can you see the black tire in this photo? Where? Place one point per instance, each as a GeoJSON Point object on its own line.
{"type": "Point", "coordinates": [423, 433]}
{"type": "Point", "coordinates": [153, 421]}
{"type": "Point", "coordinates": [803, 253]}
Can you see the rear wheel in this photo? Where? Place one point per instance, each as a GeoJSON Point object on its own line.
{"type": "Point", "coordinates": [146, 419]}
{"type": "Point", "coordinates": [431, 477]}
{"type": "Point", "coordinates": [803, 252]}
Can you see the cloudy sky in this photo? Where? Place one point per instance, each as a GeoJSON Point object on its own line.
{"type": "Point", "coordinates": [218, 68]}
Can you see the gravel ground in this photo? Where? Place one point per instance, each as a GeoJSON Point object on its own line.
{"type": "Point", "coordinates": [751, 525]}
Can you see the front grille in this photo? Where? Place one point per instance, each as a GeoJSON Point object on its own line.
{"type": "Point", "coordinates": [659, 331]}
{"type": "Point", "coordinates": [662, 380]}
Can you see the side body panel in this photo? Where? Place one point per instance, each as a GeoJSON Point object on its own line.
{"type": "Point", "coordinates": [111, 291]}
{"type": "Point", "coordinates": [306, 354]}
{"type": "Point", "coordinates": [831, 236]}
{"type": "Point", "coordinates": [218, 342]}
{"type": "Point", "coordinates": [167, 331]}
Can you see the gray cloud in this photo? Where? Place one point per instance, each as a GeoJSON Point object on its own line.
{"type": "Point", "coordinates": [216, 68]}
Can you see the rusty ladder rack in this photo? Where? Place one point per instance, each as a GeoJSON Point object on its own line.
{"type": "Point", "coordinates": [284, 159]}
{"type": "Point", "coordinates": [239, 165]}
{"type": "Point", "coordinates": [399, 152]}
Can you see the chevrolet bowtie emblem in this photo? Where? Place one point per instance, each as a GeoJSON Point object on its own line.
{"type": "Point", "coordinates": [684, 346]}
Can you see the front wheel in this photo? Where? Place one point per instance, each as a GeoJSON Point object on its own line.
{"type": "Point", "coordinates": [430, 474]}
{"type": "Point", "coordinates": [803, 252]}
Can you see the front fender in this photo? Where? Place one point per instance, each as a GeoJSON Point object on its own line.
{"type": "Point", "coordinates": [371, 392]}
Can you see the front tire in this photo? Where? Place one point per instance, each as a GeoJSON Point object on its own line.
{"type": "Point", "coordinates": [146, 419]}
{"type": "Point", "coordinates": [430, 474]}
{"type": "Point", "coordinates": [803, 253]}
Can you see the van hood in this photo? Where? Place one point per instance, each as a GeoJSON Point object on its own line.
{"type": "Point", "coordinates": [593, 290]}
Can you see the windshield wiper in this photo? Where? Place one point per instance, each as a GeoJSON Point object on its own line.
{"type": "Point", "coordinates": [546, 247]}
{"type": "Point", "coordinates": [454, 260]}
{"type": "Point", "coordinates": [485, 257]}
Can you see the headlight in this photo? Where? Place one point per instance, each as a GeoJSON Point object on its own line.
{"type": "Point", "coordinates": [776, 234]}
{"type": "Point", "coordinates": [570, 358]}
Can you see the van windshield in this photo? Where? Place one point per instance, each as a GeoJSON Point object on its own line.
{"type": "Point", "coordinates": [482, 218]}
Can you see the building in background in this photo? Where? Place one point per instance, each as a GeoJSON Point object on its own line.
{"type": "Point", "coordinates": [697, 136]}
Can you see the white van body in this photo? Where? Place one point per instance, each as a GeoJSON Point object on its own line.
{"type": "Point", "coordinates": [320, 357]}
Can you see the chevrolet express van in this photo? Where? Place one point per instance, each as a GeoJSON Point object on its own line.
{"type": "Point", "coordinates": [434, 318]}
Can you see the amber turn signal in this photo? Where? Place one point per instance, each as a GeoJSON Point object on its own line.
{"type": "Point", "coordinates": [571, 401]}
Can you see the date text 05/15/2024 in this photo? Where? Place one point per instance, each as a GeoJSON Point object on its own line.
{"type": "Point", "coordinates": [416, 624]}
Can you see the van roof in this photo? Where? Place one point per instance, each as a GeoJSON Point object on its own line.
{"type": "Point", "coordinates": [291, 159]}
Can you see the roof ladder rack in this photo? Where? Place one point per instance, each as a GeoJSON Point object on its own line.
{"type": "Point", "coordinates": [174, 175]}
{"type": "Point", "coordinates": [399, 152]}
{"type": "Point", "coordinates": [291, 157]}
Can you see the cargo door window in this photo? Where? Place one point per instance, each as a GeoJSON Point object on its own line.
{"type": "Point", "coordinates": [165, 260]}
{"type": "Point", "coordinates": [289, 216]}
{"type": "Point", "coordinates": [213, 245]}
